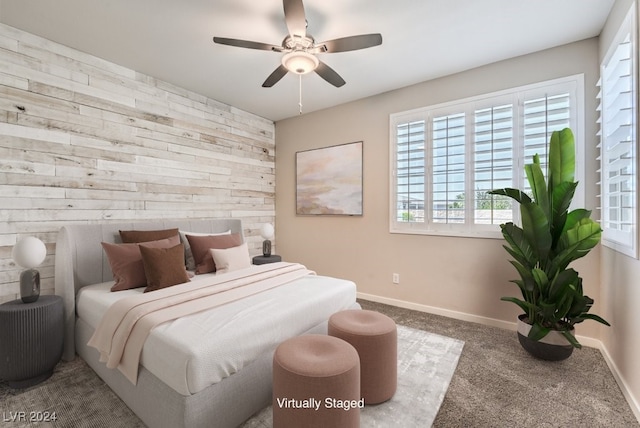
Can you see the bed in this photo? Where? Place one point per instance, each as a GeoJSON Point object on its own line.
{"type": "Point", "coordinates": [211, 368]}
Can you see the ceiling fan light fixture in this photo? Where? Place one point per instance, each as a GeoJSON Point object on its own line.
{"type": "Point", "coordinates": [300, 62]}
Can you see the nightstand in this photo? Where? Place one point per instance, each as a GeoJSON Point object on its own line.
{"type": "Point", "coordinates": [263, 260]}
{"type": "Point", "coordinates": [32, 337]}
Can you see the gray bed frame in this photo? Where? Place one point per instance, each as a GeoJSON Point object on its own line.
{"type": "Point", "coordinates": [80, 261]}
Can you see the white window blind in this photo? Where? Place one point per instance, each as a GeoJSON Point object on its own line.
{"type": "Point", "coordinates": [448, 169]}
{"type": "Point", "coordinates": [618, 147]}
{"type": "Point", "coordinates": [493, 163]}
{"type": "Point", "coordinates": [446, 158]}
{"type": "Point", "coordinates": [410, 171]}
{"type": "Point", "coordinates": [543, 115]}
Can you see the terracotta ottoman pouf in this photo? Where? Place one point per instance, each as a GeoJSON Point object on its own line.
{"type": "Point", "coordinates": [316, 383]}
{"type": "Point", "coordinates": [375, 337]}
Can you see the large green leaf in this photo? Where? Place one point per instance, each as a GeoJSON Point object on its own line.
{"type": "Point", "coordinates": [525, 306]}
{"type": "Point", "coordinates": [541, 279]}
{"type": "Point", "coordinates": [538, 185]}
{"type": "Point", "coordinates": [571, 338]}
{"type": "Point", "coordinates": [562, 306]}
{"type": "Point", "coordinates": [574, 217]}
{"type": "Point", "coordinates": [575, 243]}
{"type": "Point", "coordinates": [582, 237]}
{"type": "Point", "coordinates": [535, 226]}
{"type": "Point", "coordinates": [519, 246]}
{"type": "Point", "coordinates": [516, 194]}
{"type": "Point", "coordinates": [550, 312]}
{"type": "Point", "coordinates": [561, 196]}
{"type": "Point", "coordinates": [561, 282]}
{"type": "Point", "coordinates": [537, 331]}
{"type": "Point", "coordinates": [581, 304]}
{"type": "Point", "coordinates": [527, 284]}
{"type": "Point", "coordinates": [593, 317]}
{"type": "Point", "coordinates": [562, 156]}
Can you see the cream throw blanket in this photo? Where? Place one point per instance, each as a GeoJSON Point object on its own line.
{"type": "Point", "coordinates": [125, 326]}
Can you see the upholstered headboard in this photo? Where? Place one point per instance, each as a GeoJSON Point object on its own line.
{"type": "Point", "coordinates": [80, 260]}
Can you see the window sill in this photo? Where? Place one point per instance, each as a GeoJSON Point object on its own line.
{"type": "Point", "coordinates": [627, 250]}
{"type": "Point", "coordinates": [482, 234]}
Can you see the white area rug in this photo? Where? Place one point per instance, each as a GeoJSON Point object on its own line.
{"type": "Point", "coordinates": [426, 363]}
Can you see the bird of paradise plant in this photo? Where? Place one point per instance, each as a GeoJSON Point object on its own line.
{"type": "Point", "coordinates": [549, 239]}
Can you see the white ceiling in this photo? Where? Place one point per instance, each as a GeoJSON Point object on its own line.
{"type": "Point", "coordinates": [422, 39]}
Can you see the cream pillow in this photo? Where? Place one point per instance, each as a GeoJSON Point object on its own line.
{"type": "Point", "coordinates": [233, 258]}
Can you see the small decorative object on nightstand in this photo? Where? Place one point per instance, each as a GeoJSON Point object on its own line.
{"type": "Point", "coordinates": [29, 252]}
{"type": "Point", "coordinates": [267, 233]}
{"type": "Point", "coordinates": [31, 338]}
{"type": "Point", "coordinates": [263, 260]}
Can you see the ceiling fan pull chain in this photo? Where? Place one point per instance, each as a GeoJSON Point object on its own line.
{"type": "Point", "coordinates": [300, 92]}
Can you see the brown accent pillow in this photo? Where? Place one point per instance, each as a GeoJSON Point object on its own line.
{"type": "Point", "coordinates": [133, 236]}
{"type": "Point", "coordinates": [188, 255]}
{"type": "Point", "coordinates": [200, 246]}
{"type": "Point", "coordinates": [163, 267]}
{"type": "Point", "coordinates": [126, 262]}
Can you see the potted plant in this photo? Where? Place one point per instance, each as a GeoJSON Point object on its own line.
{"type": "Point", "coordinates": [549, 239]}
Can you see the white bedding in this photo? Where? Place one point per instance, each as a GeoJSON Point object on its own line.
{"type": "Point", "coordinates": [199, 350]}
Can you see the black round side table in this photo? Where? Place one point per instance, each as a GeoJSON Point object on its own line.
{"type": "Point", "coordinates": [262, 260]}
{"type": "Point", "coordinates": [31, 338]}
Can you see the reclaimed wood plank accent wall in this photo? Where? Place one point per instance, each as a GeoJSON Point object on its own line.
{"type": "Point", "coordinates": [83, 140]}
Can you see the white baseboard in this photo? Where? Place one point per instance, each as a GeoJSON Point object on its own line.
{"type": "Point", "coordinates": [586, 341]}
{"type": "Point", "coordinates": [438, 311]}
{"type": "Point", "coordinates": [633, 403]}
{"type": "Point", "coordinates": [507, 325]}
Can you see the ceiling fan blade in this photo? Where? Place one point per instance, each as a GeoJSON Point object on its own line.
{"type": "Point", "coordinates": [329, 74]}
{"type": "Point", "coordinates": [247, 44]}
{"type": "Point", "coordinates": [351, 43]}
{"type": "Point", "coordinates": [295, 17]}
{"type": "Point", "coordinates": [275, 77]}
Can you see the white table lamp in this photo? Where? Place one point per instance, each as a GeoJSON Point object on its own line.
{"type": "Point", "coordinates": [29, 252]}
{"type": "Point", "coordinates": [267, 233]}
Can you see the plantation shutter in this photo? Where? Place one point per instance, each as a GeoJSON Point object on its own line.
{"type": "Point", "coordinates": [445, 158]}
{"type": "Point", "coordinates": [618, 146]}
{"type": "Point", "coordinates": [543, 115]}
{"type": "Point", "coordinates": [410, 171]}
{"type": "Point", "coordinates": [492, 163]}
{"type": "Point", "coordinates": [448, 169]}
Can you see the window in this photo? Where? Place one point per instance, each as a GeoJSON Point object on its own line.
{"type": "Point", "coordinates": [445, 158]}
{"type": "Point", "coordinates": [618, 161]}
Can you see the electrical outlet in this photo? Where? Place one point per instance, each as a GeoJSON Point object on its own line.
{"type": "Point", "coordinates": [396, 278]}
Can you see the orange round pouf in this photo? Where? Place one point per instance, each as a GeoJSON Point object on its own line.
{"type": "Point", "coordinates": [316, 383]}
{"type": "Point", "coordinates": [375, 337]}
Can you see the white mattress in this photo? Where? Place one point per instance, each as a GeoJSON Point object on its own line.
{"type": "Point", "coordinates": [193, 352]}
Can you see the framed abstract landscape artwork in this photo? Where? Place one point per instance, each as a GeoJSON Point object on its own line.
{"type": "Point", "coordinates": [329, 180]}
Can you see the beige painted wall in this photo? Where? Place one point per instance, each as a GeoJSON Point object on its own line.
{"type": "Point", "coordinates": [621, 280]}
{"type": "Point", "coordinates": [462, 277]}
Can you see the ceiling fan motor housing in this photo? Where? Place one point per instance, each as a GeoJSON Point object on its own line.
{"type": "Point", "coordinates": [298, 43]}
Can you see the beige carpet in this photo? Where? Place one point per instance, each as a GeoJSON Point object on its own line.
{"type": "Point", "coordinates": [497, 384]}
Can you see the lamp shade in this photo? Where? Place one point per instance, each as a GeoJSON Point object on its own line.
{"type": "Point", "coordinates": [267, 231]}
{"type": "Point", "coordinates": [29, 252]}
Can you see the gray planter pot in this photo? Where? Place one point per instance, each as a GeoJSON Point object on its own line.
{"type": "Point", "coordinates": [553, 347]}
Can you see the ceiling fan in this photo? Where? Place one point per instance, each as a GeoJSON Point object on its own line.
{"type": "Point", "coordinates": [300, 48]}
